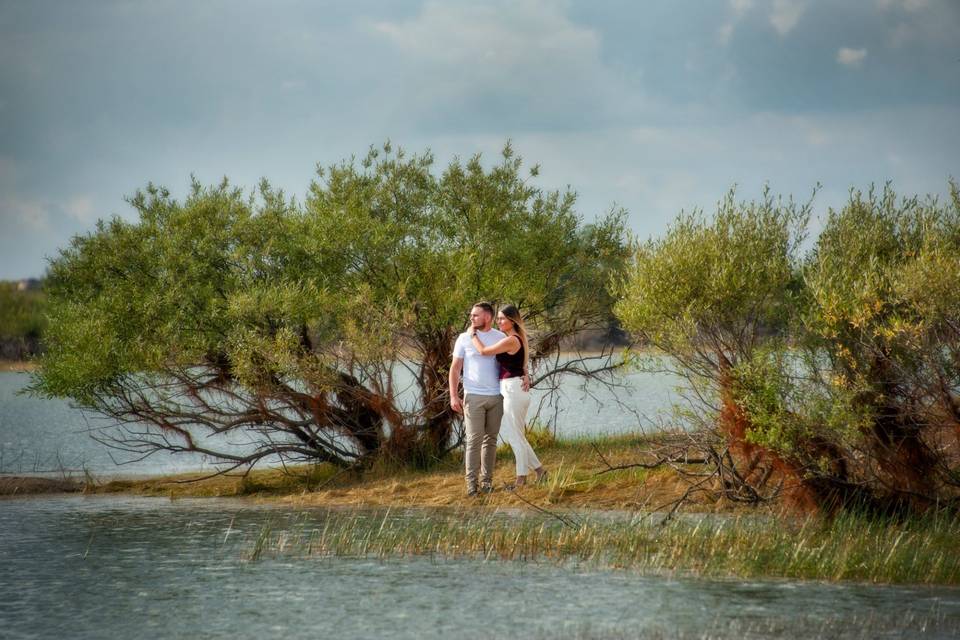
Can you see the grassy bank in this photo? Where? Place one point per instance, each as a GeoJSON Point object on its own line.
{"type": "Point", "coordinates": [575, 481]}
{"type": "Point", "coordinates": [851, 547]}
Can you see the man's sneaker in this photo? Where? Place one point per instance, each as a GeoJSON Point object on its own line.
{"type": "Point", "coordinates": [471, 491]}
{"type": "Point", "coordinates": [486, 488]}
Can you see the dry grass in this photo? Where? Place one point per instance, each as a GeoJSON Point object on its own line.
{"type": "Point", "coordinates": [28, 485]}
{"type": "Point", "coordinates": [573, 483]}
{"type": "Point", "coordinates": [18, 365]}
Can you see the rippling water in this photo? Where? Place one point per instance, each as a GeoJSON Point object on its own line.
{"type": "Point", "coordinates": [109, 567]}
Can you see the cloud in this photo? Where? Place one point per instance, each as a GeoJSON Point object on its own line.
{"type": "Point", "coordinates": [507, 37]}
{"type": "Point", "coordinates": [851, 57]}
{"type": "Point", "coordinates": [785, 15]}
{"type": "Point", "coordinates": [519, 62]}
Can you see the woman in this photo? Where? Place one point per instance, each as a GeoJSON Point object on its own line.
{"type": "Point", "coordinates": [511, 353]}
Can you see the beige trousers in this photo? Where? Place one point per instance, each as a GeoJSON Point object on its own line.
{"type": "Point", "coordinates": [482, 415]}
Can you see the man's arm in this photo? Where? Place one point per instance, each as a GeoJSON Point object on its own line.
{"type": "Point", "coordinates": [455, 368]}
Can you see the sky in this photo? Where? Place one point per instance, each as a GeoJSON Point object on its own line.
{"type": "Point", "coordinates": [653, 106]}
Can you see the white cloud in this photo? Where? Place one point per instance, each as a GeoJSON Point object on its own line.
{"type": "Point", "coordinates": [509, 36]}
{"type": "Point", "coordinates": [785, 14]}
{"type": "Point", "coordinates": [741, 6]}
{"type": "Point", "coordinates": [851, 57]}
{"type": "Point", "coordinates": [526, 53]}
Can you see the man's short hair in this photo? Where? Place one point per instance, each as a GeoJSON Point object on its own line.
{"type": "Point", "coordinates": [486, 306]}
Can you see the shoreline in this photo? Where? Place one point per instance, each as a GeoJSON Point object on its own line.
{"type": "Point", "coordinates": [583, 511]}
{"type": "Point", "coordinates": [574, 481]}
{"type": "Point", "coordinates": [18, 366]}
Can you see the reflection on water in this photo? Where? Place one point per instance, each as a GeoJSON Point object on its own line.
{"type": "Point", "coordinates": [94, 567]}
{"type": "Point", "coordinates": [38, 436]}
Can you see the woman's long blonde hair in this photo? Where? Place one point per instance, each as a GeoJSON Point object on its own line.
{"type": "Point", "coordinates": [512, 314]}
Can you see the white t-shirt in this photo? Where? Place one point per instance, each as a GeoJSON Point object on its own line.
{"type": "Point", "coordinates": [481, 374]}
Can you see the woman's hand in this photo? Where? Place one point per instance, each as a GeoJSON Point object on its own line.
{"type": "Point", "coordinates": [525, 383]}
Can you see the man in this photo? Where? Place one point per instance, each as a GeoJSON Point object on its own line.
{"type": "Point", "coordinates": [482, 405]}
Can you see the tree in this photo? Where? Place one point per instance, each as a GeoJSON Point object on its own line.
{"type": "Point", "coordinates": [321, 330]}
{"type": "Point", "coordinates": [838, 371]}
{"type": "Point", "coordinates": [884, 311]}
{"type": "Point", "coordinates": [21, 321]}
{"type": "Point", "coordinates": [713, 295]}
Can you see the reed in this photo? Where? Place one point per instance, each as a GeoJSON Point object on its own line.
{"type": "Point", "coordinates": [851, 547]}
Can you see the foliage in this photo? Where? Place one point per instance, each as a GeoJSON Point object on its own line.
{"type": "Point", "coordinates": [884, 310]}
{"type": "Point", "coordinates": [788, 410]}
{"type": "Point", "coordinates": [21, 312]}
{"type": "Point", "coordinates": [711, 295]}
{"type": "Point", "coordinates": [320, 330]}
{"type": "Point", "coordinates": [710, 290]}
{"type": "Point", "coordinates": [841, 367]}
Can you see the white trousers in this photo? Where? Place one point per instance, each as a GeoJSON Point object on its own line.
{"type": "Point", "coordinates": [516, 401]}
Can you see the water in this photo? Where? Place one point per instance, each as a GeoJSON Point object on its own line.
{"type": "Point", "coordinates": [109, 567]}
{"type": "Point", "coordinates": [48, 436]}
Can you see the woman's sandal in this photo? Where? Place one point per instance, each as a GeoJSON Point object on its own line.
{"type": "Point", "coordinates": [542, 477]}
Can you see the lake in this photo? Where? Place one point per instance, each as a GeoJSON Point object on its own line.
{"type": "Point", "coordinates": [50, 437]}
{"type": "Point", "coordinates": [130, 567]}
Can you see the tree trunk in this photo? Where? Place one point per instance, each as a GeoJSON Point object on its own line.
{"type": "Point", "coordinates": [759, 464]}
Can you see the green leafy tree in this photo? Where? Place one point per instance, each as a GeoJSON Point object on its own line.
{"type": "Point", "coordinates": [21, 321]}
{"type": "Point", "coordinates": [713, 295]}
{"type": "Point", "coordinates": [884, 309]}
{"type": "Point", "coordinates": [321, 330]}
{"type": "Point", "coordinates": [839, 368]}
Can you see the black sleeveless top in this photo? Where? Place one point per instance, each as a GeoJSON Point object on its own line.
{"type": "Point", "coordinates": [511, 366]}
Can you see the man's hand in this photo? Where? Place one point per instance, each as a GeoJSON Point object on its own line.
{"type": "Point", "coordinates": [456, 404]}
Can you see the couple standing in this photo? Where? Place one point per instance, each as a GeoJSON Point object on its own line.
{"type": "Point", "coordinates": [496, 386]}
